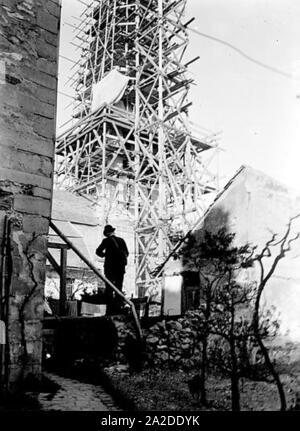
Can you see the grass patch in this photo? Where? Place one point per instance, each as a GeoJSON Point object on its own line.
{"type": "Point", "coordinates": [166, 390]}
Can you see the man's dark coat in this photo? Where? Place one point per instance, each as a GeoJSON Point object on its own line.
{"type": "Point", "coordinates": [115, 251]}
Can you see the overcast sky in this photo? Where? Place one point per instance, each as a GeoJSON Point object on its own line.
{"type": "Point", "coordinates": [257, 110]}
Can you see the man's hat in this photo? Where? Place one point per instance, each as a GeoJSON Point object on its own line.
{"type": "Point", "coordinates": [108, 229]}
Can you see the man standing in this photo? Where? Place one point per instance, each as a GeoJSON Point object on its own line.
{"type": "Point", "coordinates": [115, 251]}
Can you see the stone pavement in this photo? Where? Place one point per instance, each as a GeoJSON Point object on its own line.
{"type": "Point", "coordinates": [76, 396]}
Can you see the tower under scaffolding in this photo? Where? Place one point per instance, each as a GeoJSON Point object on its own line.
{"type": "Point", "coordinates": [132, 129]}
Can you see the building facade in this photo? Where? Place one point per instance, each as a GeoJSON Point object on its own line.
{"type": "Point", "coordinates": [29, 38]}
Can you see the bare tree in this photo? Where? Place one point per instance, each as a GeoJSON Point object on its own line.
{"type": "Point", "coordinates": [275, 249]}
{"type": "Point", "coordinates": [224, 300]}
{"type": "Point", "coordinates": [232, 299]}
{"type": "Point", "coordinates": [217, 261]}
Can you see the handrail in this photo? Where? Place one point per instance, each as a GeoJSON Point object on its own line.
{"type": "Point", "coordinates": [100, 275]}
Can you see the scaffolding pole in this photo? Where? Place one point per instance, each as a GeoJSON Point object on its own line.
{"type": "Point", "coordinates": [144, 140]}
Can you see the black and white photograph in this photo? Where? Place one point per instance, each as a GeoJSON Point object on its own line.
{"type": "Point", "coordinates": [149, 210]}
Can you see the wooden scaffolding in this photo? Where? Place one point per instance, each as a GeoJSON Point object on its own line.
{"type": "Point", "coordinates": [144, 142]}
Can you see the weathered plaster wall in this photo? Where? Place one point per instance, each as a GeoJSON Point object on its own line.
{"type": "Point", "coordinates": [28, 82]}
{"type": "Point", "coordinates": [254, 207]}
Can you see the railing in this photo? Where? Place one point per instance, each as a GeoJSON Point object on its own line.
{"type": "Point", "coordinates": [100, 275]}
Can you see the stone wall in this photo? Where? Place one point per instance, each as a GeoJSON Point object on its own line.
{"type": "Point", "coordinates": [170, 343]}
{"type": "Point", "coordinates": [176, 343]}
{"type": "Point", "coordinates": [29, 32]}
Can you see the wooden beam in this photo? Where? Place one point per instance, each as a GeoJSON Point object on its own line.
{"type": "Point", "coordinates": [63, 281]}
{"type": "Point", "coordinates": [58, 245]}
{"type": "Point", "coordinates": [53, 262]}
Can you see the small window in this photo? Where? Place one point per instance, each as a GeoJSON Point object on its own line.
{"type": "Point", "coordinates": [191, 278]}
{"type": "Point", "coordinates": [191, 283]}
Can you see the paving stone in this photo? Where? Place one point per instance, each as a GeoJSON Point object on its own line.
{"type": "Point", "coordinates": [76, 396]}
